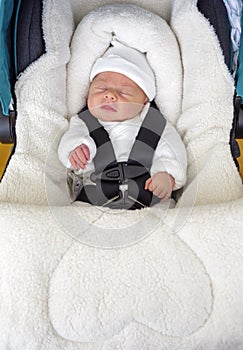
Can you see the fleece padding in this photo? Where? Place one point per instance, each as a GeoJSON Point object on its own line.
{"type": "Point", "coordinates": [77, 277]}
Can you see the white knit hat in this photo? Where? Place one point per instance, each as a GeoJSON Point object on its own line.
{"type": "Point", "coordinates": [128, 61]}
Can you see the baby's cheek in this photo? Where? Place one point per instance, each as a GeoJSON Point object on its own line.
{"type": "Point", "coordinates": [90, 102]}
{"type": "Point", "coordinates": [131, 109]}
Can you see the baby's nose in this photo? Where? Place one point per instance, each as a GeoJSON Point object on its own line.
{"type": "Point", "coordinates": [110, 95]}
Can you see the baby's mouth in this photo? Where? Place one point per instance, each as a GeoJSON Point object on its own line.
{"type": "Point", "coordinates": [108, 108]}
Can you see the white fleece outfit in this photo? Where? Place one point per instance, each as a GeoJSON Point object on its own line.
{"type": "Point", "coordinates": [170, 154]}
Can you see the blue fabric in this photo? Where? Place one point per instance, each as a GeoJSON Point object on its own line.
{"type": "Point", "coordinates": [239, 86]}
{"type": "Point", "coordinates": [6, 10]}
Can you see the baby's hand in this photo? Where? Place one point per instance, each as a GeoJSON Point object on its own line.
{"type": "Point", "coordinates": [79, 157]}
{"type": "Point", "coordinates": [161, 184]}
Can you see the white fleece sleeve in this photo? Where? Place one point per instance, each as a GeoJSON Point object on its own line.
{"type": "Point", "coordinates": [76, 134]}
{"type": "Point", "coordinates": [170, 156]}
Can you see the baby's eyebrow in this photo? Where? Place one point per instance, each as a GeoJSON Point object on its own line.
{"type": "Point", "coordinates": [100, 81]}
{"type": "Point", "coordinates": [127, 85]}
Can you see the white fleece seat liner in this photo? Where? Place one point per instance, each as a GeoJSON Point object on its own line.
{"type": "Point", "coordinates": [178, 287]}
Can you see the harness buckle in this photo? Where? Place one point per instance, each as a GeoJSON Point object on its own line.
{"type": "Point", "coordinates": [119, 176]}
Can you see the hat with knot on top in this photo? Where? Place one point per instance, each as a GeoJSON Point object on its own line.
{"type": "Point", "coordinates": [128, 61]}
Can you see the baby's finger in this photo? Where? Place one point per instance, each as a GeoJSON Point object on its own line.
{"type": "Point", "coordinates": [78, 161]}
{"type": "Point", "coordinates": [159, 192]}
{"type": "Point", "coordinates": [148, 184]}
{"type": "Point", "coordinates": [86, 151]}
{"type": "Point", "coordinates": [166, 196]}
{"type": "Point", "coordinates": [73, 162]}
{"type": "Point", "coordinates": [80, 156]}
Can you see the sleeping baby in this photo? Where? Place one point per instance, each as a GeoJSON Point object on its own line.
{"type": "Point", "coordinates": [119, 119]}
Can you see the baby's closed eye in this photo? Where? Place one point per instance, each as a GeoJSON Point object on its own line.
{"type": "Point", "coordinates": [100, 88]}
{"type": "Point", "coordinates": [125, 93]}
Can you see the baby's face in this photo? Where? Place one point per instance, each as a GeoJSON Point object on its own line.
{"type": "Point", "coordinates": [114, 97]}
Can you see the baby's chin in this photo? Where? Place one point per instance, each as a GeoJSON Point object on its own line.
{"type": "Point", "coordinates": [111, 116]}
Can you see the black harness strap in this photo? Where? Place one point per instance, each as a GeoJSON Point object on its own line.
{"type": "Point", "coordinates": [100, 192]}
{"type": "Point", "coordinates": [109, 174]}
{"type": "Point", "coordinates": [104, 150]}
{"type": "Point", "coordinates": [147, 139]}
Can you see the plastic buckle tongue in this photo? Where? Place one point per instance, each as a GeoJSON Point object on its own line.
{"type": "Point", "coordinates": [112, 174]}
